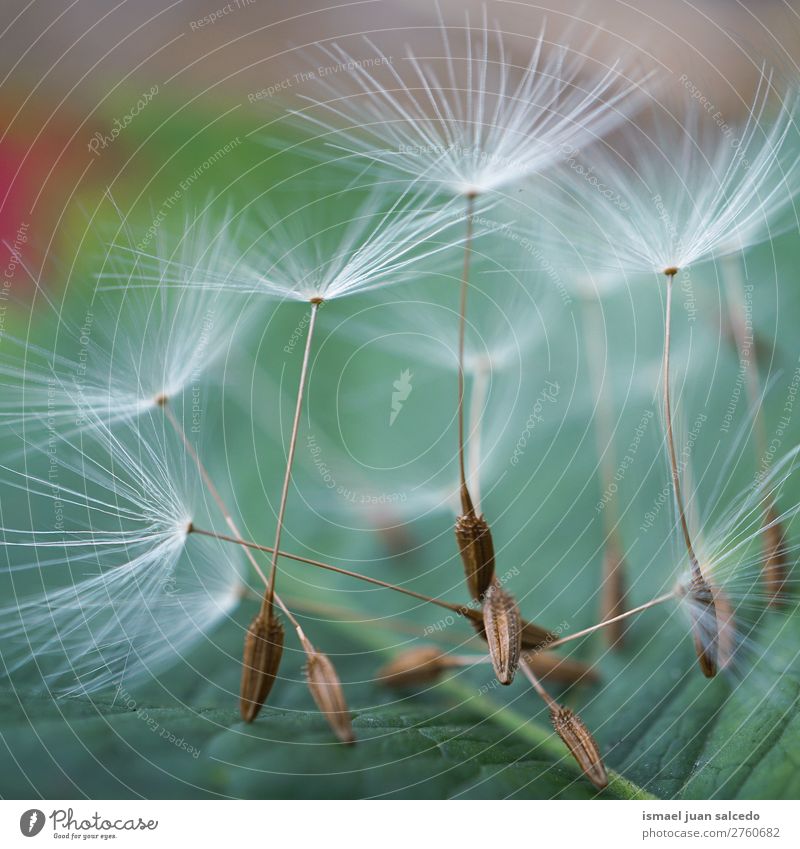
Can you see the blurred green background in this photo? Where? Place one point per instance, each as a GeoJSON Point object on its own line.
{"type": "Point", "coordinates": [663, 728]}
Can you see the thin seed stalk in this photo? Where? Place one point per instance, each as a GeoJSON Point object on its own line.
{"type": "Point", "coordinates": [533, 636]}
{"type": "Point", "coordinates": [223, 508]}
{"type": "Point", "coordinates": [270, 594]}
{"type": "Point", "coordinates": [673, 461]}
{"type": "Point", "coordinates": [670, 596]}
{"type": "Point", "coordinates": [263, 644]}
{"type": "Point", "coordinates": [466, 502]}
{"type": "Point", "coordinates": [264, 641]}
{"type": "Point", "coordinates": [704, 625]}
{"type": "Point", "coordinates": [473, 534]}
{"type": "Point", "coordinates": [461, 609]}
{"type": "Point", "coordinates": [477, 400]}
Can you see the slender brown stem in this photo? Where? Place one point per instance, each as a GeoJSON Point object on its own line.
{"type": "Point", "coordinates": [396, 625]}
{"type": "Point", "coordinates": [269, 596]}
{"type": "Point", "coordinates": [632, 612]}
{"type": "Point", "coordinates": [460, 609]}
{"type": "Point", "coordinates": [476, 402]}
{"type": "Point", "coordinates": [466, 502]}
{"type": "Point", "coordinates": [536, 684]}
{"type": "Point", "coordinates": [209, 484]}
{"type": "Point", "coordinates": [604, 624]}
{"type": "Point", "coordinates": [701, 591]}
{"type": "Point", "coordinates": [676, 480]}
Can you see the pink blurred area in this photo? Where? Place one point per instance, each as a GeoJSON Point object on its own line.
{"type": "Point", "coordinates": [37, 177]}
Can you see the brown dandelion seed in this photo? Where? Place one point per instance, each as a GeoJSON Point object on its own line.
{"type": "Point", "coordinates": [776, 564]}
{"type": "Point", "coordinates": [704, 618]}
{"type": "Point", "coordinates": [477, 552]}
{"type": "Point", "coordinates": [581, 744]}
{"type": "Point", "coordinates": [414, 667]}
{"type": "Point", "coordinates": [705, 630]}
{"type": "Point", "coordinates": [325, 687]}
{"type": "Point", "coordinates": [503, 632]}
{"type": "Point", "coordinates": [263, 647]}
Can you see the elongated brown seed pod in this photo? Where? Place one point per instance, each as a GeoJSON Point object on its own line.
{"type": "Point", "coordinates": [326, 688]}
{"type": "Point", "coordinates": [704, 624]}
{"type": "Point", "coordinates": [263, 647]}
{"type": "Point", "coordinates": [612, 595]}
{"type": "Point", "coordinates": [581, 744]}
{"type": "Point", "coordinates": [776, 564]}
{"type": "Point", "coordinates": [413, 668]}
{"type": "Point", "coordinates": [503, 629]}
{"type": "Point", "coordinates": [477, 552]}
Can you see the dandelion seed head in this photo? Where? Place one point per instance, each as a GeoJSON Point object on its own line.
{"type": "Point", "coordinates": [132, 351]}
{"type": "Point", "coordinates": [123, 590]}
{"type": "Point", "coordinates": [305, 257]}
{"type": "Point", "coordinates": [678, 190]}
{"type": "Point", "coordinates": [466, 121]}
{"type": "Point", "coordinates": [341, 243]}
{"type": "Point", "coordinates": [731, 605]}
